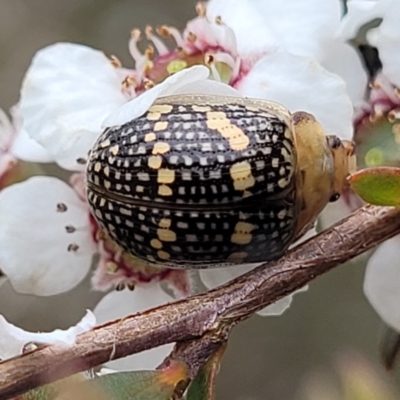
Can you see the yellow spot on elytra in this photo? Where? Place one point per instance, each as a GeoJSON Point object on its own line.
{"type": "Point", "coordinates": [201, 108]}
{"type": "Point", "coordinates": [163, 255]}
{"type": "Point", "coordinates": [104, 144]}
{"type": "Point", "coordinates": [107, 184]}
{"type": "Point", "coordinates": [164, 190]}
{"type": "Point", "coordinates": [164, 223]}
{"type": "Point", "coordinates": [161, 148]}
{"type": "Point", "coordinates": [153, 116]}
{"type": "Point", "coordinates": [149, 137]}
{"type": "Point", "coordinates": [237, 257]}
{"type": "Point", "coordinates": [242, 176]}
{"type": "Point", "coordinates": [283, 182]}
{"type": "Point", "coordinates": [160, 126]}
{"type": "Point", "coordinates": [166, 235]}
{"type": "Point", "coordinates": [155, 162]}
{"type": "Point", "coordinates": [161, 108]}
{"type": "Point", "coordinates": [99, 214]}
{"type": "Point", "coordinates": [97, 167]}
{"type": "Point", "coordinates": [156, 244]}
{"type": "Point", "coordinates": [106, 170]}
{"type": "Point", "coordinates": [114, 150]}
{"type": "Point", "coordinates": [252, 108]}
{"type": "Point", "coordinates": [242, 233]}
{"type": "Point", "coordinates": [237, 139]}
{"type": "Point", "coordinates": [165, 175]}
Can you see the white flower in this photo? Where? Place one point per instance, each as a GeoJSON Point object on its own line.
{"type": "Point", "coordinates": [13, 338]}
{"type": "Point", "coordinates": [121, 304]}
{"type": "Point", "coordinates": [67, 92]}
{"type": "Point", "coordinates": [46, 241]}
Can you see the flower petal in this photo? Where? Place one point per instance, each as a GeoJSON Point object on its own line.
{"type": "Point", "coordinates": [382, 281]}
{"type": "Point", "coordinates": [359, 13]}
{"type": "Point", "coordinates": [120, 304]}
{"type": "Point", "coordinates": [301, 84]}
{"type": "Point", "coordinates": [280, 306]}
{"type": "Point", "coordinates": [298, 26]}
{"type": "Point", "coordinates": [13, 339]}
{"type": "Point", "coordinates": [43, 249]}
{"type": "Point", "coordinates": [66, 94]}
{"type": "Point", "coordinates": [343, 60]}
{"type": "Point", "coordinates": [208, 86]}
{"type": "Point", "coordinates": [218, 276]}
{"type": "Point", "coordinates": [23, 147]}
{"type": "Point", "coordinates": [138, 106]}
{"type": "Point", "coordinates": [388, 43]}
{"type": "Point", "coordinates": [27, 149]}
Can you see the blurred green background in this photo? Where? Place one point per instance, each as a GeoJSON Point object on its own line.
{"type": "Point", "coordinates": [267, 358]}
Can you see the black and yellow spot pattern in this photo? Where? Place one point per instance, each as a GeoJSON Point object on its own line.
{"type": "Point", "coordinates": [198, 181]}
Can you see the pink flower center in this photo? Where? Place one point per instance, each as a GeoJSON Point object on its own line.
{"type": "Point", "coordinates": [204, 42]}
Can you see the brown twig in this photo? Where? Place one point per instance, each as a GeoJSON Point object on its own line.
{"type": "Point", "coordinates": [202, 321]}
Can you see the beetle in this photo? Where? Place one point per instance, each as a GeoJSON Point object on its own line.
{"type": "Point", "coordinates": [204, 181]}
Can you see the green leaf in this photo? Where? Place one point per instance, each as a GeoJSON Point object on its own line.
{"type": "Point", "coordinates": [379, 186]}
{"type": "Point", "coordinates": [53, 390]}
{"type": "Point", "coordinates": [46, 392]}
{"type": "Point", "coordinates": [133, 385]}
{"type": "Point", "coordinates": [204, 384]}
{"type": "Point", "coordinates": [142, 385]}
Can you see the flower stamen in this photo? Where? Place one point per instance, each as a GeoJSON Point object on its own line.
{"type": "Point", "coordinates": [115, 62]}
{"type": "Point", "coordinates": [62, 207]}
{"type": "Point", "coordinates": [201, 8]}
{"type": "Point", "coordinates": [148, 83]}
{"type": "Point", "coordinates": [70, 229]}
{"type": "Point", "coordinates": [149, 52]}
{"type": "Point", "coordinates": [73, 247]}
{"type": "Point", "coordinates": [210, 62]}
{"type": "Point", "coordinates": [133, 49]}
{"type": "Point", "coordinates": [191, 37]}
{"type": "Point", "coordinates": [167, 31]}
{"type": "Point", "coordinates": [129, 82]}
{"type": "Point", "coordinates": [81, 160]}
{"type": "Point", "coordinates": [119, 287]}
{"type": "Point", "coordinates": [159, 45]}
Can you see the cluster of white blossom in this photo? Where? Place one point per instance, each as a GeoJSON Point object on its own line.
{"type": "Point", "coordinates": [294, 52]}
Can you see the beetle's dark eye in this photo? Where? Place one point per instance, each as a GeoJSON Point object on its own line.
{"type": "Point", "coordinates": [334, 197]}
{"type": "Point", "coordinates": [334, 142]}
